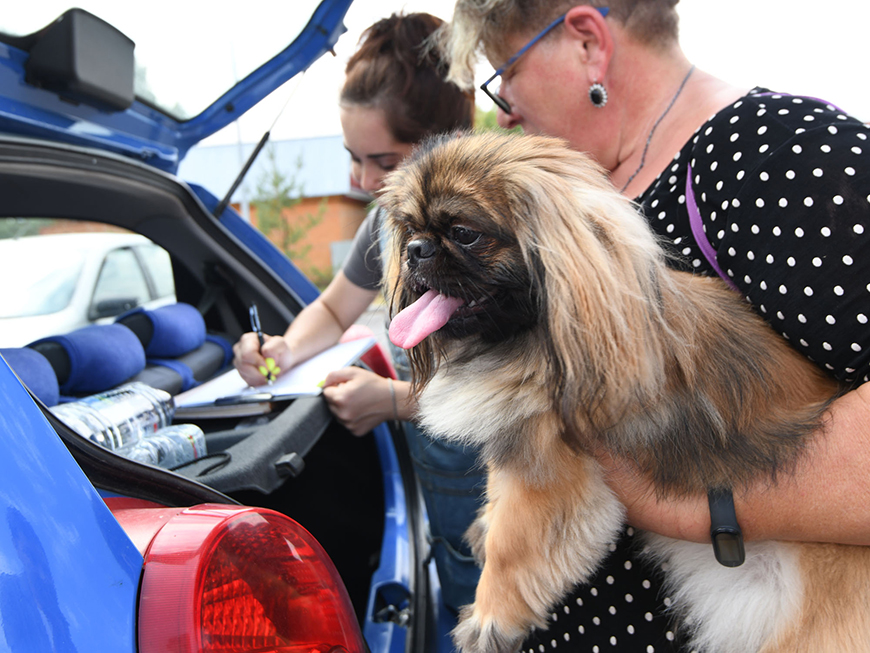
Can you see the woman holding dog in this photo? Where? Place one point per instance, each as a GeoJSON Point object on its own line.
{"type": "Point", "coordinates": [770, 191]}
{"type": "Point", "coordinates": [394, 95]}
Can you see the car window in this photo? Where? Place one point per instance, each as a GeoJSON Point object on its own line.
{"type": "Point", "coordinates": [120, 286]}
{"type": "Point", "coordinates": [159, 266]}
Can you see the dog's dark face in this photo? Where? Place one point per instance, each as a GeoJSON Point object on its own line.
{"type": "Point", "coordinates": [461, 270]}
{"type": "Point", "coordinates": [453, 256]}
{"type": "Point", "coordinates": [523, 246]}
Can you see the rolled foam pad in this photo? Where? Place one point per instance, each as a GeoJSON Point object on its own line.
{"type": "Point", "coordinates": [100, 356]}
{"type": "Point", "coordinates": [167, 332]}
{"type": "Point", "coordinates": [35, 371]}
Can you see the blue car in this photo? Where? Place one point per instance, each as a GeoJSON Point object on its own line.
{"type": "Point", "coordinates": [290, 534]}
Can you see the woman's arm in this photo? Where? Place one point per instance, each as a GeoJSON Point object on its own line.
{"type": "Point", "coordinates": [320, 324]}
{"type": "Point", "coordinates": [825, 499]}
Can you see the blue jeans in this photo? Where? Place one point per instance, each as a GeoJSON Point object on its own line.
{"type": "Point", "coordinates": [453, 486]}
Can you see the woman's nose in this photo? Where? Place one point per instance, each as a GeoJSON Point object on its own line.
{"type": "Point", "coordinates": [507, 120]}
{"type": "Point", "coordinates": [370, 179]}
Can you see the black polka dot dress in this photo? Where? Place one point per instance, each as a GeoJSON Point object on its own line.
{"type": "Point", "coordinates": [782, 185]}
{"type": "Point", "coordinates": [621, 609]}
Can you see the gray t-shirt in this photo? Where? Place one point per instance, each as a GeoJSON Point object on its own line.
{"type": "Point", "coordinates": [363, 266]}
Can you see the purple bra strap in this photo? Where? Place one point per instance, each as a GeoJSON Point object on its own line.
{"type": "Point", "coordinates": [695, 214]}
{"type": "Point", "coordinates": [698, 231]}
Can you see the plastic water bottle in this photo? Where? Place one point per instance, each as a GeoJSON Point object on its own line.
{"type": "Point", "coordinates": [162, 401]}
{"type": "Point", "coordinates": [169, 447]}
{"type": "Point", "coordinates": [88, 423]}
{"type": "Point", "coordinates": [119, 418]}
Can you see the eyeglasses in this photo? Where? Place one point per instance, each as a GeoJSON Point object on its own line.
{"type": "Point", "coordinates": [500, 102]}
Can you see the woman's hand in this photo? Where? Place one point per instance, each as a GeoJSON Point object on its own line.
{"type": "Point", "coordinates": [361, 399]}
{"type": "Point", "coordinates": [248, 357]}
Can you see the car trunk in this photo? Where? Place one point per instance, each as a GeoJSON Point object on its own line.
{"type": "Point", "coordinates": [339, 496]}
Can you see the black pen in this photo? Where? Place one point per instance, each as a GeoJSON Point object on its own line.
{"type": "Point", "coordinates": [256, 328]}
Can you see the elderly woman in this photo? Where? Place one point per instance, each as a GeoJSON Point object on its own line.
{"type": "Point", "coordinates": [770, 191]}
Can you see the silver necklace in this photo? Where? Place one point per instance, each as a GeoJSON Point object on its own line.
{"type": "Point", "coordinates": [653, 130]}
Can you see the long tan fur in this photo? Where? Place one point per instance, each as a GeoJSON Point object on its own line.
{"type": "Point", "coordinates": [596, 343]}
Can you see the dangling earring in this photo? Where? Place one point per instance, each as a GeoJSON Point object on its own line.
{"type": "Point", "coordinates": [598, 95]}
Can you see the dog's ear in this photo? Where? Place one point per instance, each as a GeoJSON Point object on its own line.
{"type": "Point", "coordinates": [394, 240]}
{"type": "Point", "coordinates": [598, 266]}
{"type": "Point", "coordinates": [393, 247]}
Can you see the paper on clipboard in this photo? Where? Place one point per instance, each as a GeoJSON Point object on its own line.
{"type": "Point", "coordinates": [305, 379]}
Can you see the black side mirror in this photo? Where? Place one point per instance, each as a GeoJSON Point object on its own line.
{"type": "Point", "coordinates": [111, 307]}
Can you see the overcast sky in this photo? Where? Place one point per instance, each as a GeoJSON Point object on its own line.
{"type": "Point", "coordinates": [797, 46]}
{"type": "Point", "coordinates": [810, 48]}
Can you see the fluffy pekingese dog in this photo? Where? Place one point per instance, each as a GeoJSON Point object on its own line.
{"type": "Point", "coordinates": [543, 324]}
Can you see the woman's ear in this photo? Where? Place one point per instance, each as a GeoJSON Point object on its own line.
{"type": "Point", "coordinates": [589, 28]}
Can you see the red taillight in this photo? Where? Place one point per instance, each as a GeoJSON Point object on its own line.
{"type": "Point", "coordinates": [225, 578]}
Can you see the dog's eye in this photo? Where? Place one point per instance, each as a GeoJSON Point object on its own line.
{"type": "Point", "coordinates": [464, 235]}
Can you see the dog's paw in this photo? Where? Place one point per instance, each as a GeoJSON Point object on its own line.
{"type": "Point", "coordinates": [471, 635]}
{"type": "Point", "coordinates": [476, 538]}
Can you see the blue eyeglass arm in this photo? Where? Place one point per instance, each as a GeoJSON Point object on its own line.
{"type": "Point", "coordinates": [601, 10]}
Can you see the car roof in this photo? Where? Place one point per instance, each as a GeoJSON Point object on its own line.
{"type": "Point", "coordinates": [48, 245]}
{"type": "Point", "coordinates": [98, 93]}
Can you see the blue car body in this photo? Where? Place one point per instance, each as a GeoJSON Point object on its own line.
{"type": "Point", "coordinates": [70, 573]}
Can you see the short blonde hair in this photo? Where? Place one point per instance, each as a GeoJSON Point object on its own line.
{"type": "Point", "coordinates": [482, 25]}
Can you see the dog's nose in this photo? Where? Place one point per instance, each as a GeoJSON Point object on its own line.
{"type": "Point", "coordinates": [420, 249]}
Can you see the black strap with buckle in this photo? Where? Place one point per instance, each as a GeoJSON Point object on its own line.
{"type": "Point", "coordinates": [725, 532]}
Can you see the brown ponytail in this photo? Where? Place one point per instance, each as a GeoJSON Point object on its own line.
{"type": "Point", "coordinates": [397, 69]}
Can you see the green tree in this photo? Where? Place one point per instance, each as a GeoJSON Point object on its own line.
{"type": "Point", "coordinates": [488, 121]}
{"type": "Point", "coordinates": [277, 192]}
{"type": "Point", "coordinates": [20, 227]}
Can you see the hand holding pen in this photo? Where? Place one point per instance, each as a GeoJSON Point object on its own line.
{"type": "Point", "coordinates": [270, 371]}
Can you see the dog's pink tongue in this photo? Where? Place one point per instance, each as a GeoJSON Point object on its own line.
{"type": "Point", "coordinates": [425, 316]}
